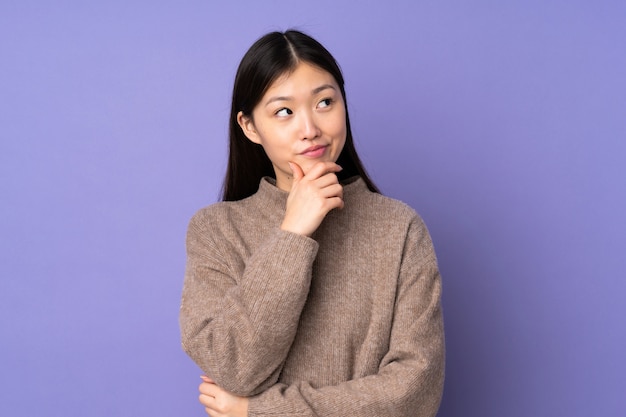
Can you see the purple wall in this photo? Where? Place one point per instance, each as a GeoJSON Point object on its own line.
{"type": "Point", "coordinates": [502, 123]}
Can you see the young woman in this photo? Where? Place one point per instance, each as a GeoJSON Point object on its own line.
{"type": "Point", "coordinates": [307, 292]}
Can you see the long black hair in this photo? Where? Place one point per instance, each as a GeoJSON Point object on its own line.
{"type": "Point", "coordinates": [271, 56]}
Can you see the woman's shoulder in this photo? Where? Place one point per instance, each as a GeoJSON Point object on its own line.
{"type": "Point", "coordinates": [218, 224]}
{"type": "Point", "coordinates": [394, 205]}
{"type": "Point", "coordinates": [383, 206]}
{"type": "Point", "coordinates": [380, 216]}
{"type": "Point", "coordinates": [216, 214]}
{"type": "Point", "coordinates": [213, 210]}
{"type": "Point", "coordinates": [248, 212]}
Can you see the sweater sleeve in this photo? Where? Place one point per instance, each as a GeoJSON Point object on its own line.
{"type": "Point", "coordinates": [409, 381]}
{"type": "Point", "coordinates": [238, 317]}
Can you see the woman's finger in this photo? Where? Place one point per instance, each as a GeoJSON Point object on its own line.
{"type": "Point", "coordinates": [326, 180]}
{"type": "Point", "coordinates": [332, 190]}
{"type": "Point", "coordinates": [208, 388]}
{"type": "Point", "coordinates": [322, 168]}
{"type": "Point", "coordinates": [206, 400]}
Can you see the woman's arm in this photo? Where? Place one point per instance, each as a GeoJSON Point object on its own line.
{"type": "Point", "coordinates": [238, 321]}
{"type": "Point", "coordinates": [238, 325]}
{"type": "Point", "coordinates": [410, 378]}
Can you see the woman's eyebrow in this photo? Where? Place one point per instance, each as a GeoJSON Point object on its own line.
{"type": "Point", "coordinates": [322, 88]}
{"type": "Point", "coordinates": [279, 98]}
{"type": "Point", "coordinates": [316, 90]}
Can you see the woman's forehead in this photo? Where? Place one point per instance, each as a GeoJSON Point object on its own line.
{"type": "Point", "coordinates": [304, 77]}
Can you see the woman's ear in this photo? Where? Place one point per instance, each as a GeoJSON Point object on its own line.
{"type": "Point", "coordinates": [247, 125]}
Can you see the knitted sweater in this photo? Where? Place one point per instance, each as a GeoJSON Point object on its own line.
{"type": "Point", "coordinates": [345, 323]}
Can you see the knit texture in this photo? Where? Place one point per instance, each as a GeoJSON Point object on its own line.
{"type": "Point", "coordinates": [345, 323]}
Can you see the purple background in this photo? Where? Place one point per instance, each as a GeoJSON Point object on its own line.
{"type": "Point", "coordinates": [502, 123]}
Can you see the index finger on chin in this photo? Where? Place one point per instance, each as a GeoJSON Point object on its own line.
{"type": "Point", "coordinates": [322, 168]}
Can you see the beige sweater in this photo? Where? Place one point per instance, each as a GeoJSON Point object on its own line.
{"type": "Point", "coordinates": [346, 323]}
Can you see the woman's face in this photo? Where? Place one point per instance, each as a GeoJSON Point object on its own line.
{"type": "Point", "coordinates": [301, 119]}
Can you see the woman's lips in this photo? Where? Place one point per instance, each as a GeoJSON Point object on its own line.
{"type": "Point", "coordinates": [314, 151]}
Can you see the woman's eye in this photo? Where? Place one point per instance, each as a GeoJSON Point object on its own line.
{"type": "Point", "coordinates": [325, 103]}
{"type": "Point", "coordinates": [283, 112]}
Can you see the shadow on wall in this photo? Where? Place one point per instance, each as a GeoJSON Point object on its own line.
{"type": "Point", "coordinates": [481, 357]}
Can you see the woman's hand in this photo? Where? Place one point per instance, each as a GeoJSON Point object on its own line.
{"type": "Point", "coordinates": [311, 197]}
{"type": "Point", "coordinates": [221, 403]}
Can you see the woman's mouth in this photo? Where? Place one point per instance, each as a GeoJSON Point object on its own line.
{"type": "Point", "coordinates": [314, 151]}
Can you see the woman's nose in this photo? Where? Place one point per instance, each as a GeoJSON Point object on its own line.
{"type": "Point", "coordinates": [308, 126]}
